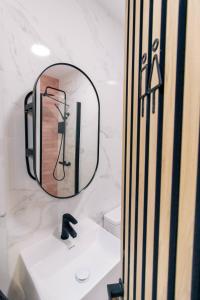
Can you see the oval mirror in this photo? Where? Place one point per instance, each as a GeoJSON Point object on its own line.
{"type": "Point", "coordinates": [66, 130]}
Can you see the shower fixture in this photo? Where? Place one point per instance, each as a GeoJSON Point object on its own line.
{"type": "Point", "coordinates": [61, 129]}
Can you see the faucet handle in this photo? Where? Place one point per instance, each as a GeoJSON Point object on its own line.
{"type": "Point", "coordinates": [67, 229]}
{"type": "Point", "coordinates": [67, 218]}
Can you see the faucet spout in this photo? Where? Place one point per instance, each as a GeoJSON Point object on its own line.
{"type": "Point", "coordinates": [67, 229]}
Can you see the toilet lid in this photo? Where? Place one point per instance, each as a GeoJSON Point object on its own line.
{"type": "Point", "coordinates": [114, 216]}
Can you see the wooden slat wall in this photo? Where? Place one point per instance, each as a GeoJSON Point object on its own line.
{"type": "Point", "coordinates": [161, 176]}
{"type": "Point", "coordinates": [190, 148]}
{"type": "Point", "coordinates": [152, 163]}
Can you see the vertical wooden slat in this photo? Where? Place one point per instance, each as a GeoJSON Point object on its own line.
{"type": "Point", "coordinates": [195, 289]}
{"type": "Point", "coordinates": [159, 147]}
{"type": "Point", "coordinates": [189, 162]}
{"type": "Point", "coordinates": [123, 205]}
{"type": "Point", "coordinates": [124, 163]}
{"type": "Point", "coordinates": [142, 162]}
{"type": "Point", "coordinates": [131, 171]}
{"type": "Point", "coordinates": [176, 171]}
{"type": "Point", "coordinates": [140, 208]}
{"type": "Point", "coordinates": [127, 153]}
{"type": "Point", "coordinates": [167, 156]}
{"type": "Point", "coordinates": [146, 182]}
{"type": "Point", "coordinates": [148, 114]}
{"type": "Point", "coordinates": [136, 197]}
{"type": "Point", "coordinates": [152, 164]}
{"type": "Point", "coordinates": [134, 149]}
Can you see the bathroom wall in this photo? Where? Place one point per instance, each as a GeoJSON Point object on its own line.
{"type": "Point", "coordinates": [88, 34]}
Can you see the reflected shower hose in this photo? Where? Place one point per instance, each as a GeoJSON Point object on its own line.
{"type": "Point", "coordinates": [57, 161]}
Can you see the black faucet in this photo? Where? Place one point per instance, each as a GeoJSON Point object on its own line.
{"type": "Point", "coordinates": [67, 229]}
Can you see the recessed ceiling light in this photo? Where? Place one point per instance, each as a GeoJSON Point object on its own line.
{"type": "Point", "coordinates": [40, 50]}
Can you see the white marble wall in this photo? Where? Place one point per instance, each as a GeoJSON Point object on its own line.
{"type": "Point", "coordinates": [88, 34]}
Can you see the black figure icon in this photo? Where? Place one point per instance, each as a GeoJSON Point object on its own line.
{"type": "Point", "coordinates": [155, 78]}
{"type": "Point", "coordinates": [143, 88]}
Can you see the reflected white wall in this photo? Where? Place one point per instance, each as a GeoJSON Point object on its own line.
{"type": "Point", "coordinates": [79, 89]}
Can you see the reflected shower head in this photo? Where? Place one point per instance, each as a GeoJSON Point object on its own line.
{"type": "Point", "coordinates": [50, 96]}
{"type": "Point", "coordinates": [55, 97]}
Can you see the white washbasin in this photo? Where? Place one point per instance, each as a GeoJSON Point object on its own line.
{"type": "Point", "coordinates": [51, 265]}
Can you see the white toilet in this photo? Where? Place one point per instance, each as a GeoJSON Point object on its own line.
{"type": "Point", "coordinates": [112, 221]}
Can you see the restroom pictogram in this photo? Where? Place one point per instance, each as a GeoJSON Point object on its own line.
{"type": "Point", "coordinates": [155, 77]}
{"type": "Point", "coordinates": [143, 90]}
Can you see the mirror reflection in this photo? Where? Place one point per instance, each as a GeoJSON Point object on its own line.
{"type": "Point", "coordinates": [66, 130]}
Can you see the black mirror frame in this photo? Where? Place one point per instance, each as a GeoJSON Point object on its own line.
{"type": "Point", "coordinates": [34, 129]}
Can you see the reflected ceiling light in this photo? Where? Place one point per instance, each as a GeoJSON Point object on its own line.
{"type": "Point", "coordinates": [40, 50]}
{"type": "Point", "coordinates": [111, 82]}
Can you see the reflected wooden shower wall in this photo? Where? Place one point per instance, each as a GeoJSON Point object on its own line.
{"type": "Point", "coordinates": [161, 173]}
{"type": "Point", "coordinates": [50, 139]}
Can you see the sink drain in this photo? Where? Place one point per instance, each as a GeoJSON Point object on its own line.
{"type": "Point", "coordinates": [82, 275]}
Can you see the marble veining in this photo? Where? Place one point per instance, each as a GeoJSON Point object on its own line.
{"type": "Point", "coordinates": [88, 34]}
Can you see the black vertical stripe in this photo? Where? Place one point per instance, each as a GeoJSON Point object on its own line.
{"type": "Point", "coordinates": [41, 139]}
{"type": "Point", "coordinates": [125, 147]}
{"type": "Point", "coordinates": [178, 119]}
{"type": "Point", "coordinates": [195, 292]}
{"type": "Point", "coordinates": [159, 149]}
{"type": "Point", "coordinates": [151, 8]}
{"type": "Point", "coordinates": [138, 150]}
{"type": "Point", "coordinates": [131, 142]}
{"type": "Point", "coordinates": [77, 147]}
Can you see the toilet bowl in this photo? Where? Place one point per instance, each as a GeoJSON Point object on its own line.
{"type": "Point", "coordinates": [112, 221]}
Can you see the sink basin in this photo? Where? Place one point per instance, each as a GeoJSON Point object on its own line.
{"type": "Point", "coordinates": [74, 269]}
